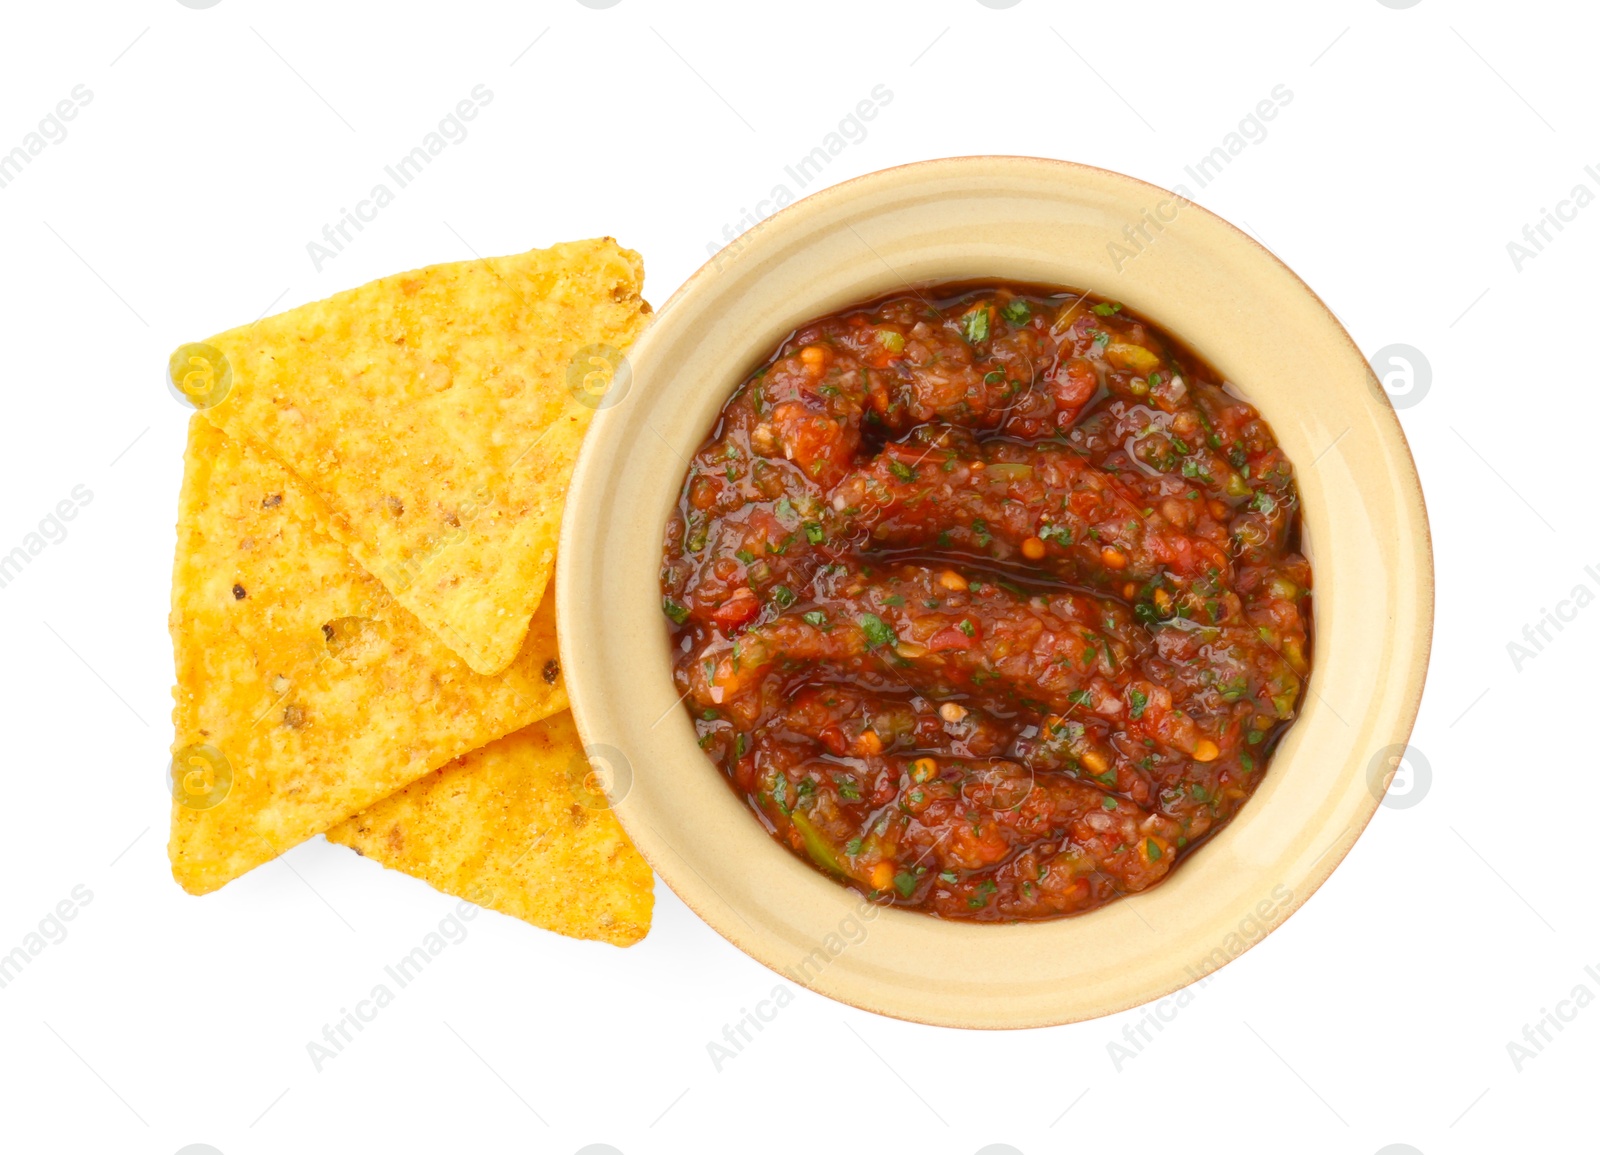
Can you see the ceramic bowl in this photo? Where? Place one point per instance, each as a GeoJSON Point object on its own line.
{"type": "Point", "coordinates": [1042, 221]}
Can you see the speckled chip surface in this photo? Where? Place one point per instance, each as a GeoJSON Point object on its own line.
{"type": "Point", "coordinates": [518, 827]}
{"type": "Point", "coordinates": [437, 414]}
{"type": "Point", "coordinates": [305, 691]}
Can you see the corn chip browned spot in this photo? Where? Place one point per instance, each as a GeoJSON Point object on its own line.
{"type": "Point", "coordinates": [318, 691]}
{"type": "Point", "coordinates": [437, 414]}
{"type": "Point", "coordinates": [501, 827]}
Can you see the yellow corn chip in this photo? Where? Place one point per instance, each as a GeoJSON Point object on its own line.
{"type": "Point", "coordinates": [304, 692]}
{"type": "Point", "coordinates": [505, 827]}
{"type": "Point", "coordinates": [438, 414]}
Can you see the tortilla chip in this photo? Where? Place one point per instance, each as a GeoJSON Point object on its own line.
{"type": "Point", "coordinates": [305, 693]}
{"type": "Point", "coordinates": [503, 827]}
{"type": "Point", "coordinates": [438, 414]}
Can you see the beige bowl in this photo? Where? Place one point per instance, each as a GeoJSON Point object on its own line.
{"type": "Point", "coordinates": [1031, 220]}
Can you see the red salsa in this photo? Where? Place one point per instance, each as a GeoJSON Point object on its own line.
{"type": "Point", "coordinates": [987, 599]}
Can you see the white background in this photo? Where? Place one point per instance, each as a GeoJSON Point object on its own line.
{"type": "Point", "coordinates": [218, 143]}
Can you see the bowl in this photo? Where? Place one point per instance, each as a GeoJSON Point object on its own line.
{"type": "Point", "coordinates": [1031, 220]}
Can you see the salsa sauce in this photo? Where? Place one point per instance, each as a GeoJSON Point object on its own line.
{"type": "Point", "coordinates": [987, 599]}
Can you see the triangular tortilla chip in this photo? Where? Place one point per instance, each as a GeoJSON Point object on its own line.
{"type": "Point", "coordinates": [505, 828]}
{"type": "Point", "coordinates": [438, 414]}
{"type": "Point", "coordinates": [304, 692]}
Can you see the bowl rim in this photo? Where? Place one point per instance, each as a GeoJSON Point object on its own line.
{"type": "Point", "coordinates": [591, 468]}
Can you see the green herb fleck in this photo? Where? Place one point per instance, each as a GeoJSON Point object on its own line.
{"type": "Point", "coordinates": [975, 326]}
{"type": "Point", "coordinates": [877, 631]}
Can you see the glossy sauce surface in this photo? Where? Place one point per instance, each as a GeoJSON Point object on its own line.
{"type": "Point", "coordinates": [987, 599]}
